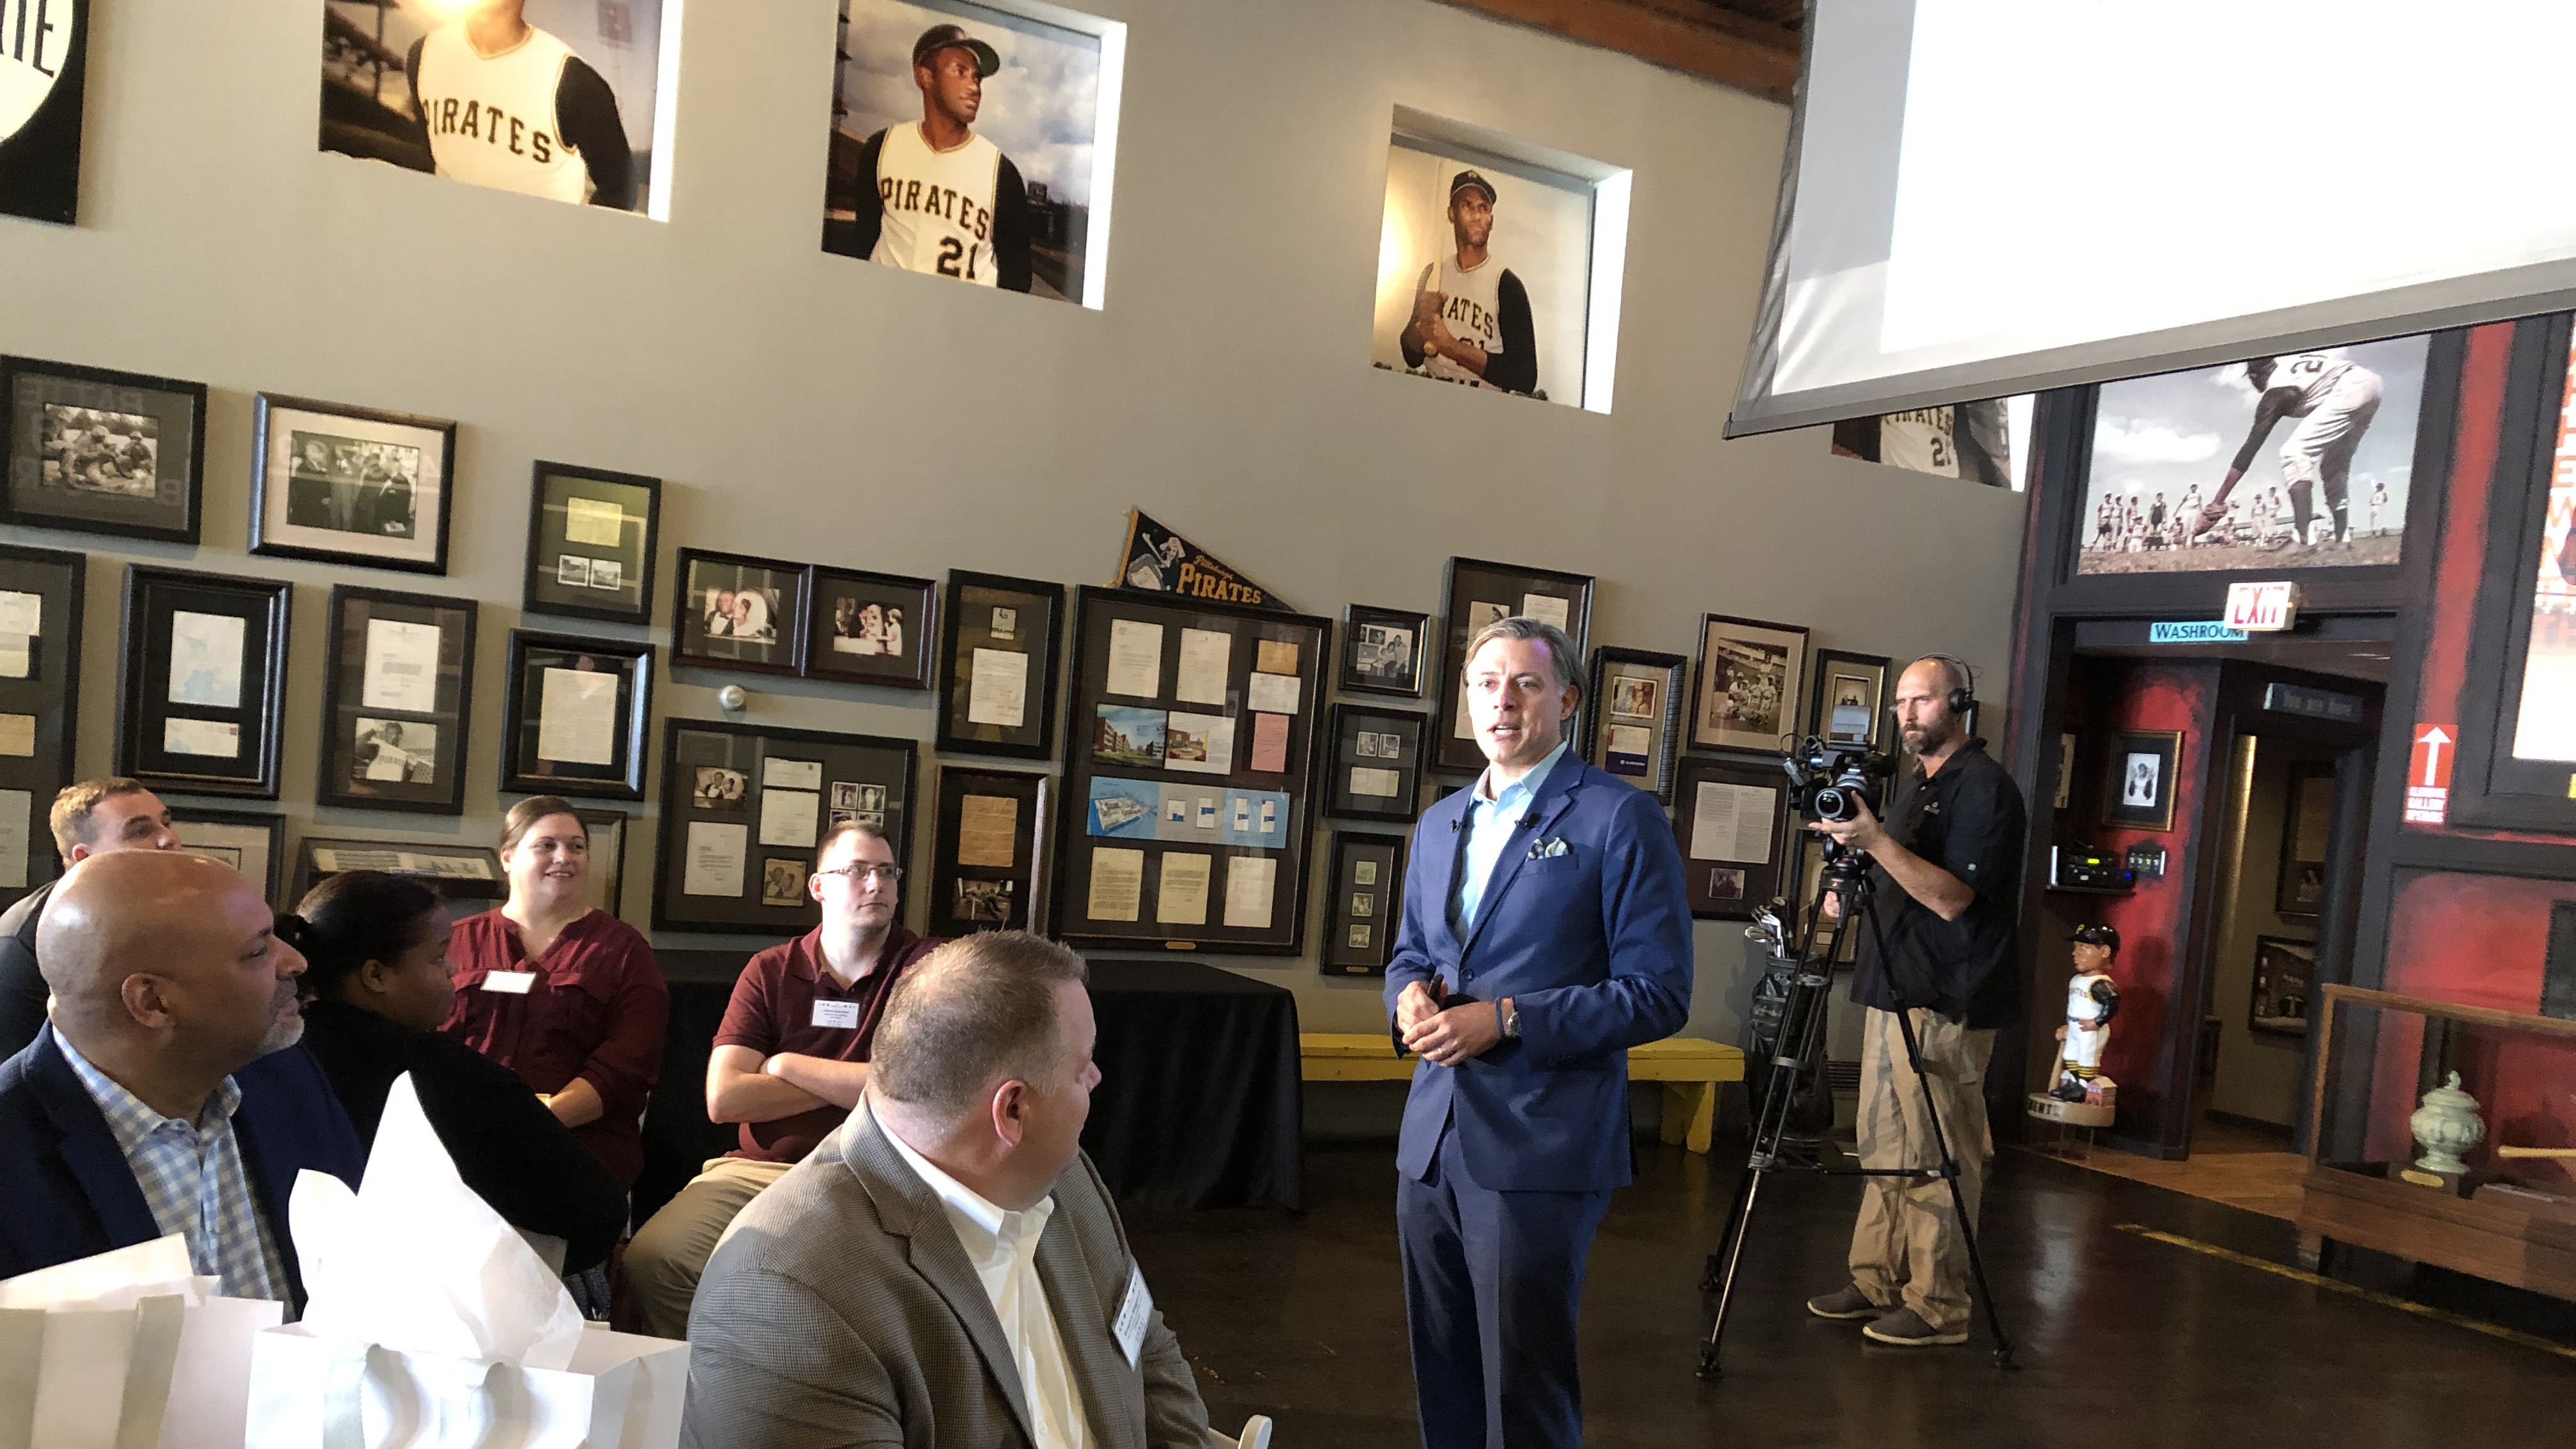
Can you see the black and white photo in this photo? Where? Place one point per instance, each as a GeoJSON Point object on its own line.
{"type": "Point", "coordinates": [1850, 698]}
{"type": "Point", "coordinates": [1631, 723]}
{"type": "Point", "coordinates": [399, 752]}
{"type": "Point", "coordinates": [782, 881]}
{"type": "Point", "coordinates": [1751, 673]}
{"type": "Point", "coordinates": [870, 628]}
{"type": "Point", "coordinates": [738, 613]}
{"type": "Point", "coordinates": [101, 451]}
{"type": "Point", "coordinates": [347, 484]}
{"type": "Point", "coordinates": [984, 902]}
{"type": "Point", "coordinates": [1382, 650]}
{"type": "Point", "coordinates": [715, 788]}
{"type": "Point", "coordinates": [2139, 793]}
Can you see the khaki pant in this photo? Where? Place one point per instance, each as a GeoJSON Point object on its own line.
{"type": "Point", "coordinates": [1907, 1246]}
{"type": "Point", "coordinates": [671, 1251]}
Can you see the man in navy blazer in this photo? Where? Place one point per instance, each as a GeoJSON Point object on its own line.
{"type": "Point", "coordinates": [1545, 931]}
{"type": "Point", "coordinates": [166, 1094]}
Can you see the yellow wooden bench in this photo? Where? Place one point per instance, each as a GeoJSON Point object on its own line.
{"type": "Point", "coordinates": [1690, 1069]}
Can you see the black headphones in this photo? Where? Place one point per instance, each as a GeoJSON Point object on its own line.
{"type": "Point", "coordinates": [1963, 698]}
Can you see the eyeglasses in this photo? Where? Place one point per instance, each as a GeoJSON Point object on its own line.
{"type": "Point", "coordinates": [885, 874]}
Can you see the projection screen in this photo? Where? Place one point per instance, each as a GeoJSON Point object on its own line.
{"type": "Point", "coordinates": [1988, 197]}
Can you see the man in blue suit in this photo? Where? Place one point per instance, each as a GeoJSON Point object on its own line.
{"type": "Point", "coordinates": [1545, 931]}
{"type": "Point", "coordinates": [166, 1094]}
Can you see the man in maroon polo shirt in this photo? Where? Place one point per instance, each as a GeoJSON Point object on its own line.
{"type": "Point", "coordinates": [790, 1061]}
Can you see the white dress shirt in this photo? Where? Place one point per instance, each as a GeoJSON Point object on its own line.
{"type": "Point", "coordinates": [1003, 1246]}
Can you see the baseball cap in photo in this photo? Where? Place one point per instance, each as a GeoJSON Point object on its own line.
{"type": "Point", "coordinates": [1464, 180]}
{"type": "Point", "coordinates": [939, 37]}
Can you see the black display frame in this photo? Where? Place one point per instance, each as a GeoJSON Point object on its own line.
{"type": "Point", "coordinates": [272, 882]}
{"type": "Point", "coordinates": [1659, 775]}
{"type": "Point", "coordinates": [1460, 753]}
{"type": "Point", "coordinates": [1355, 617]}
{"type": "Point", "coordinates": [967, 594]}
{"type": "Point", "coordinates": [1032, 836]}
{"type": "Point", "coordinates": [266, 608]}
{"type": "Point", "coordinates": [689, 638]}
{"type": "Point", "coordinates": [263, 421]}
{"type": "Point", "coordinates": [50, 694]}
{"type": "Point", "coordinates": [1820, 715]}
{"type": "Point", "coordinates": [548, 507]}
{"type": "Point", "coordinates": [921, 631]}
{"type": "Point", "coordinates": [688, 745]}
{"type": "Point", "coordinates": [1701, 877]}
{"type": "Point", "coordinates": [1340, 957]}
{"type": "Point", "coordinates": [344, 677]}
{"type": "Point", "coordinates": [1341, 756]}
{"type": "Point", "coordinates": [138, 522]}
{"type": "Point", "coordinates": [490, 883]}
{"type": "Point", "coordinates": [521, 717]}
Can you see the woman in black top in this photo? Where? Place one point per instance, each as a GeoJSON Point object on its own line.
{"type": "Point", "coordinates": [377, 989]}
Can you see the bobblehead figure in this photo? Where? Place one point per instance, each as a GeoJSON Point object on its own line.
{"type": "Point", "coordinates": [2091, 1001]}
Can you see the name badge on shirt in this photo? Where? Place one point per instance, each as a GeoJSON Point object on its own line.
{"type": "Point", "coordinates": [514, 983]}
{"type": "Point", "coordinates": [836, 1013]}
{"type": "Point", "coordinates": [1134, 1311]}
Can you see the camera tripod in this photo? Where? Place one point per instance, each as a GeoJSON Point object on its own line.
{"type": "Point", "coordinates": [1802, 1033]}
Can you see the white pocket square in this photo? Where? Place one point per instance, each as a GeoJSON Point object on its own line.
{"type": "Point", "coordinates": [1547, 849]}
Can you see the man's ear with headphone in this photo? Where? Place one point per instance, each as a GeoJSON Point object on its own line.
{"type": "Point", "coordinates": [1963, 697]}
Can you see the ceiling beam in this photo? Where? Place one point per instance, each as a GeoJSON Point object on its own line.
{"type": "Point", "coordinates": [1690, 36]}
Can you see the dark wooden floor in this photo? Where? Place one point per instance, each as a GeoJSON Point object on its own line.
{"type": "Point", "coordinates": [2124, 1340]}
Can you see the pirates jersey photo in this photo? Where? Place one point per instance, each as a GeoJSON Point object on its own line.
{"type": "Point", "coordinates": [1471, 308]}
{"type": "Point", "coordinates": [2313, 374]}
{"type": "Point", "coordinates": [534, 119]}
{"type": "Point", "coordinates": [938, 206]}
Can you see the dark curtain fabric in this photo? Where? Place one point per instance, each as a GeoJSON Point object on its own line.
{"type": "Point", "coordinates": [678, 1138]}
{"type": "Point", "coordinates": [1199, 1104]}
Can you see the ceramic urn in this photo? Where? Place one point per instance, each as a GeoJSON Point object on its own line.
{"type": "Point", "coordinates": [2446, 1125]}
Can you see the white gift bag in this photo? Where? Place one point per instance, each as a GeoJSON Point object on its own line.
{"type": "Point", "coordinates": [125, 1350]}
{"type": "Point", "coordinates": [619, 1391]}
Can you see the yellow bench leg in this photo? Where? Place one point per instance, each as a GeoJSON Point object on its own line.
{"type": "Point", "coordinates": [1690, 1114]}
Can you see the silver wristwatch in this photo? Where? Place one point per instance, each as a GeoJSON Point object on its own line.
{"type": "Point", "coordinates": [1512, 1024]}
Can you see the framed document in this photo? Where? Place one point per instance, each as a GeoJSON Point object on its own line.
{"type": "Point", "coordinates": [870, 628]}
{"type": "Point", "coordinates": [574, 721]}
{"type": "Point", "coordinates": [988, 854]}
{"type": "Point", "coordinates": [40, 628]}
{"type": "Point", "coordinates": [1367, 894]}
{"type": "Point", "coordinates": [101, 451]}
{"type": "Point", "coordinates": [1729, 819]}
{"type": "Point", "coordinates": [458, 872]}
{"type": "Point", "coordinates": [997, 651]}
{"type": "Point", "coordinates": [1383, 650]}
{"type": "Point", "coordinates": [744, 812]}
{"type": "Point", "coordinates": [608, 831]}
{"type": "Point", "coordinates": [203, 676]}
{"type": "Point", "coordinates": [1189, 759]}
{"type": "Point", "coordinates": [591, 540]}
{"type": "Point", "coordinates": [251, 843]}
{"type": "Point", "coordinates": [1479, 593]}
{"type": "Point", "coordinates": [736, 612]}
{"type": "Point", "coordinates": [350, 485]}
{"type": "Point", "coordinates": [395, 697]}
{"type": "Point", "coordinates": [1850, 704]}
{"type": "Point", "coordinates": [1374, 762]}
{"type": "Point", "coordinates": [2305, 831]}
{"type": "Point", "coordinates": [1632, 716]}
{"type": "Point", "coordinates": [1750, 673]}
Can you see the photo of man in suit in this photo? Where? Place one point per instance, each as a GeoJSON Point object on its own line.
{"type": "Point", "coordinates": [1545, 931]}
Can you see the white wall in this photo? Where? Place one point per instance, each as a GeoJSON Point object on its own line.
{"type": "Point", "coordinates": [816, 408]}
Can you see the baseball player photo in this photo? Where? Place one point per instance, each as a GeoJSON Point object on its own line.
{"type": "Point", "coordinates": [2263, 463]}
{"type": "Point", "coordinates": [551, 98]}
{"type": "Point", "coordinates": [1471, 316]}
{"type": "Point", "coordinates": [961, 146]}
{"type": "Point", "coordinates": [1970, 440]}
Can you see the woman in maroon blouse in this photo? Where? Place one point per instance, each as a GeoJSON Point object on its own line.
{"type": "Point", "coordinates": [568, 997]}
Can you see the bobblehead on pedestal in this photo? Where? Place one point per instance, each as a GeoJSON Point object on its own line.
{"type": "Point", "coordinates": [2081, 1095]}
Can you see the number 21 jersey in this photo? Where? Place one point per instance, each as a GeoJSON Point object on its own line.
{"type": "Point", "coordinates": [938, 205]}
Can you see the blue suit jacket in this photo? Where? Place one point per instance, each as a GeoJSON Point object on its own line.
{"type": "Point", "coordinates": [1593, 946]}
{"type": "Point", "coordinates": [66, 1193]}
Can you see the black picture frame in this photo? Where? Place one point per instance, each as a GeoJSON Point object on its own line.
{"type": "Point", "coordinates": [525, 769]}
{"type": "Point", "coordinates": [1835, 673]}
{"type": "Point", "coordinates": [1359, 940]}
{"type": "Point", "coordinates": [989, 893]}
{"type": "Point", "coordinates": [907, 621]}
{"type": "Point", "coordinates": [1720, 885]}
{"type": "Point", "coordinates": [1473, 590]}
{"type": "Point", "coordinates": [39, 702]}
{"type": "Point", "coordinates": [709, 580]}
{"type": "Point", "coordinates": [38, 398]}
{"type": "Point", "coordinates": [456, 870]}
{"type": "Point", "coordinates": [353, 496]}
{"type": "Point", "coordinates": [2284, 982]}
{"type": "Point", "coordinates": [251, 842]}
{"type": "Point", "coordinates": [1738, 724]}
{"type": "Point", "coordinates": [968, 623]}
{"type": "Point", "coordinates": [2300, 892]}
{"type": "Point", "coordinates": [1383, 650]}
{"type": "Point", "coordinates": [1611, 706]}
{"type": "Point", "coordinates": [608, 832]}
{"type": "Point", "coordinates": [1227, 830]}
{"type": "Point", "coordinates": [2125, 804]}
{"type": "Point", "coordinates": [1398, 776]}
{"type": "Point", "coordinates": [40, 159]}
{"type": "Point", "coordinates": [372, 753]}
{"type": "Point", "coordinates": [563, 574]}
{"type": "Point", "coordinates": [697, 828]}
{"type": "Point", "coordinates": [170, 730]}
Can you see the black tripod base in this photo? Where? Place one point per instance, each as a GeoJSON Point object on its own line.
{"type": "Point", "coordinates": [1708, 1371]}
{"type": "Point", "coordinates": [1710, 1275]}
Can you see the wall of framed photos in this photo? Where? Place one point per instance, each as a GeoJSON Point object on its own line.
{"type": "Point", "coordinates": [801, 407]}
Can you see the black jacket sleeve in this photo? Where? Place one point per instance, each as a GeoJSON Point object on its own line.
{"type": "Point", "coordinates": [1011, 229]}
{"type": "Point", "coordinates": [1515, 369]}
{"type": "Point", "coordinates": [858, 237]}
{"type": "Point", "coordinates": [22, 986]}
{"type": "Point", "coordinates": [586, 119]}
{"type": "Point", "coordinates": [515, 1153]}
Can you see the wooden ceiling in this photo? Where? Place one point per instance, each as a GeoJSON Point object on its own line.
{"type": "Point", "coordinates": [1752, 44]}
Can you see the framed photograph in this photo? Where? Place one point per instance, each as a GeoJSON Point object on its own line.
{"type": "Point", "coordinates": [608, 831]}
{"type": "Point", "coordinates": [591, 544]}
{"type": "Point", "coordinates": [596, 70]}
{"type": "Point", "coordinates": [40, 637]}
{"type": "Point", "coordinates": [1850, 700]}
{"type": "Point", "coordinates": [2065, 772]}
{"type": "Point", "coordinates": [1367, 895]}
{"type": "Point", "coordinates": [737, 858]}
{"type": "Point", "coordinates": [870, 628]}
{"type": "Point", "coordinates": [2285, 973]}
{"type": "Point", "coordinates": [1750, 674]}
{"type": "Point", "coordinates": [1375, 765]}
{"type": "Point", "coordinates": [396, 691]}
{"type": "Point", "coordinates": [735, 612]}
{"type": "Point", "coordinates": [574, 721]}
{"type": "Point", "coordinates": [1632, 716]}
{"type": "Point", "coordinates": [2305, 829]}
{"type": "Point", "coordinates": [988, 866]}
{"type": "Point", "coordinates": [251, 843]}
{"type": "Point", "coordinates": [998, 653]}
{"type": "Point", "coordinates": [101, 451]}
{"type": "Point", "coordinates": [1040, 103]}
{"type": "Point", "coordinates": [1189, 768]}
{"type": "Point", "coordinates": [1383, 650]}
{"type": "Point", "coordinates": [44, 65]}
{"type": "Point", "coordinates": [1970, 441]}
{"type": "Point", "coordinates": [343, 484]}
{"type": "Point", "coordinates": [1730, 819]}
{"type": "Point", "coordinates": [203, 678]}
{"type": "Point", "coordinates": [457, 871]}
{"type": "Point", "coordinates": [1478, 593]}
{"type": "Point", "coordinates": [2138, 793]}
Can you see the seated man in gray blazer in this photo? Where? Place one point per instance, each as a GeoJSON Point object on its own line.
{"type": "Point", "coordinates": [946, 1270]}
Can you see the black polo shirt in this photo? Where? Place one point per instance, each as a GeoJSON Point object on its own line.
{"type": "Point", "coordinates": [1967, 819]}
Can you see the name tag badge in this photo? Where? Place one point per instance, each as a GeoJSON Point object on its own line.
{"type": "Point", "coordinates": [1134, 1311]}
{"type": "Point", "coordinates": [836, 1013]}
{"type": "Point", "coordinates": [510, 983]}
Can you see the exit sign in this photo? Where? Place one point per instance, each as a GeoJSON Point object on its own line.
{"type": "Point", "coordinates": [2262, 608]}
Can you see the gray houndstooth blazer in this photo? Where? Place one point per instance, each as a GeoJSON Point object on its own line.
{"type": "Point", "coordinates": [842, 1312]}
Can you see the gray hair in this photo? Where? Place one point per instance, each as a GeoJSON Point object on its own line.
{"type": "Point", "coordinates": [1565, 661]}
{"type": "Point", "coordinates": [977, 1012]}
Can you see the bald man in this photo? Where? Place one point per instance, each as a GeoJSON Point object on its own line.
{"type": "Point", "coordinates": [166, 1094]}
{"type": "Point", "coordinates": [89, 818]}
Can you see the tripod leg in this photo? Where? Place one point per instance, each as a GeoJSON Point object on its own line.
{"type": "Point", "coordinates": [1958, 1195]}
{"type": "Point", "coordinates": [1731, 1251]}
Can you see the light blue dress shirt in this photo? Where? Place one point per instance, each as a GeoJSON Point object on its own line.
{"type": "Point", "coordinates": [1490, 822]}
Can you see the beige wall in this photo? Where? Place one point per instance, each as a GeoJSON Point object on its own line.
{"type": "Point", "coordinates": [816, 408]}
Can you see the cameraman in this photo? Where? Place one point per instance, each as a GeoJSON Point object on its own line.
{"type": "Point", "coordinates": [1946, 869]}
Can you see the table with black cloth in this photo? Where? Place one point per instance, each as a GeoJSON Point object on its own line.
{"type": "Point", "coordinates": [1199, 1103]}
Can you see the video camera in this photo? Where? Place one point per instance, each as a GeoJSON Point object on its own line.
{"type": "Point", "coordinates": [1832, 781]}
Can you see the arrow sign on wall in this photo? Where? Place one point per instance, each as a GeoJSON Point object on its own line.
{"type": "Point", "coordinates": [2428, 775]}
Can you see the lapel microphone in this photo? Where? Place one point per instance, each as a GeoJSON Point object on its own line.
{"type": "Point", "coordinates": [1530, 819]}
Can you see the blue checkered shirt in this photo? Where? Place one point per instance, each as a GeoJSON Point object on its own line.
{"type": "Point", "coordinates": [192, 1177]}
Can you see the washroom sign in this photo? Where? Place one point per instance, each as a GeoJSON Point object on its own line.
{"type": "Point", "coordinates": [2428, 774]}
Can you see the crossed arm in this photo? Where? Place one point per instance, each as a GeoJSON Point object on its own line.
{"type": "Point", "coordinates": [744, 1086]}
